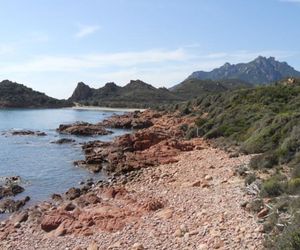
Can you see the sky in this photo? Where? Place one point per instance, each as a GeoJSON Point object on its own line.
{"type": "Point", "coordinates": [52, 45]}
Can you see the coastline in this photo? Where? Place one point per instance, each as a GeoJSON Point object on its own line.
{"type": "Point", "coordinates": [177, 193]}
{"type": "Point", "coordinates": [96, 108]}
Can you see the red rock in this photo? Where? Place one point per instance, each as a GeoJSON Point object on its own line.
{"type": "Point", "coordinates": [51, 222]}
{"type": "Point", "coordinates": [157, 144]}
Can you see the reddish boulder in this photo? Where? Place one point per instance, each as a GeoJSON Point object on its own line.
{"type": "Point", "coordinates": [83, 129]}
{"type": "Point", "coordinates": [52, 221]}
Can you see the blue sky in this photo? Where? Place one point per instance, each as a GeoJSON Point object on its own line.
{"type": "Point", "coordinates": [52, 45]}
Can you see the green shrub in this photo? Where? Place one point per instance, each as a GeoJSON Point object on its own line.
{"type": "Point", "coordinates": [200, 122]}
{"type": "Point", "coordinates": [263, 161]}
{"type": "Point", "coordinates": [250, 178]}
{"type": "Point", "coordinates": [184, 127]}
{"type": "Point", "coordinates": [289, 240]}
{"type": "Point", "coordinates": [294, 186]}
{"type": "Point", "coordinates": [272, 187]}
{"type": "Point", "coordinates": [185, 111]}
{"type": "Point", "coordinates": [191, 133]}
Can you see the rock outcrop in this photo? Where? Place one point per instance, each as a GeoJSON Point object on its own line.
{"type": "Point", "coordinates": [83, 129]}
{"type": "Point", "coordinates": [10, 205]}
{"type": "Point", "coordinates": [133, 120]}
{"type": "Point", "coordinates": [154, 145]}
{"type": "Point", "coordinates": [64, 141]}
{"type": "Point", "coordinates": [26, 132]}
{"type": "Point", "coordinates": [10, 190]}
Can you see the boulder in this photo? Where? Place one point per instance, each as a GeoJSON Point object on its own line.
{"type": "Point", "coordinates": [64, 141]}
{"type": "Point", "coordinates": [73, 193]}
{"type": "Point", "coordinates": [53, 221]}
{"type": "Point", "coordinates": [27, 132]}
{"type": "Point", "coordinates": [83, 129]}
{"type": "Point", "coordinates": [10, 190]}
{"type": "Point", "coordinates": [133, 120]}
{"type": "Point", "coordinates": [10, 206]}
{"type": "Point", "coordinates": [20, 217]}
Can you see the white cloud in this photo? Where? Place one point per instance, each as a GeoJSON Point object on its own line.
{"type": "Point", "coordinates": [86, 30]}
{"type": "Point", "coordinates": [158, 67]}
{"type": "Point", "coordinates": [7, 49]}
{"type": "Point", "coordinates": [84, 62]}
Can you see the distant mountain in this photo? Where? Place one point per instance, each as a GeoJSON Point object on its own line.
{"type": "Point", "coordinates": [14, 95]}
{"type": "Point", "coordinates": [192, 88]}
{"type": "Point", "coordinates": [261, 70]}
{"type": "Point", "coordinates": [134, 94]}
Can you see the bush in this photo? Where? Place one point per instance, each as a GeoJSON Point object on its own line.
{"type": "Point", "coordinates": [272, 187]}
{"type": "Point", "coordinates": [266, 160]}
{"type": "Point", "coordinates": [200, 121]}
{"type": "Point", "coordinates": [294, 186]}
{"type": "Point", "coordinates": [289, 240]}
{"type": "Point", "coordinates": [184, 127]}
{"type": "Point", "coordinates": [191, 133]}
{"type": "Point", "coordinates": [185, 111]}
{"type": "Point", "coordinates": [250, 178]}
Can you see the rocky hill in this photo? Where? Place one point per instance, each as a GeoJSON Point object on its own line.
{"type": "Point", "coordinates": [261, 70]}
{"type": "Point", "coordinates": [138, 94]}
{"type": "Point", "coordinates": [135, 94]}
{"type": "Point", "coordinates": [192, 88]}
{"type": "Point", "coordinates": [14, 95]}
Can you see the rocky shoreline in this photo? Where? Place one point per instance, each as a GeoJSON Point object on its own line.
{"type": "Point", "coordinates": [165, 192]}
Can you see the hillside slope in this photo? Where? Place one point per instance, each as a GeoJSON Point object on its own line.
{"type": "Point", "coordinates": [193, 88]}
{"type": "Point", "coordinates": [14, 95]}
{"type": "Point", "coordinates": [266, 121]}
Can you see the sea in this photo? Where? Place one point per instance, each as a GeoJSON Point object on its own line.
{"type": "Point", "coordinates": [45, 167]}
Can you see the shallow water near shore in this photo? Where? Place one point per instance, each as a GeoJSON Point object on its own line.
{"type": "Point", "coordinates": [45, 167]}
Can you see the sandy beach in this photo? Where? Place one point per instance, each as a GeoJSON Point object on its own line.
{"type": "Point", "coordinates": [77, 107]}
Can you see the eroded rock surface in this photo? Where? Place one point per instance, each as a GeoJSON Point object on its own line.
{"type": "Point", "coordinates": [9, 205]}
{"type": "Point", "coordinates": [157, 144]}
{"type": "Point", "coordinates": [83, 129]}
{"type": "Point", "coordinates": [133, 120]}
{"type": "Point", "coordinates": [10, 190]}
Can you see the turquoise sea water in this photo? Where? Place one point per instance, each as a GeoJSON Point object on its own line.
{"type": "Point", "coordinates": [44, 167]}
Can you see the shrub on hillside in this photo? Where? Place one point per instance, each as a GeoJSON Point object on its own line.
{"type": "Point", "coordinates": [294, 186]}
{"type": "Point", "coordinates": [263, 161]}
{"type": "Point", "coordinates": [273, 187]}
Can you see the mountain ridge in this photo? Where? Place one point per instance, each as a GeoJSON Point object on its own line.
{"type": "Point", "coordinates": [261, 70]}
{"type": "Point", "coordinates": [136, 94]}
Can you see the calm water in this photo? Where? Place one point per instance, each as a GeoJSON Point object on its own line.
{"type": "Point", "coordinates": [44, 167]}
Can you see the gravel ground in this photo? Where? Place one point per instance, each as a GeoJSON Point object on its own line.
{"type": "Point", "coordinates": [201, 197]}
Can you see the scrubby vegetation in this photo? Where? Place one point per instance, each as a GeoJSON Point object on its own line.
{"type": "Point", "coordinates": [14, 95]}
{"type": "Point", "coordinates": [138, 94]}
{"type": "Point", "coordinates": [264, 121]}
{"type": "Point", "coordinates": [192, 88]}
